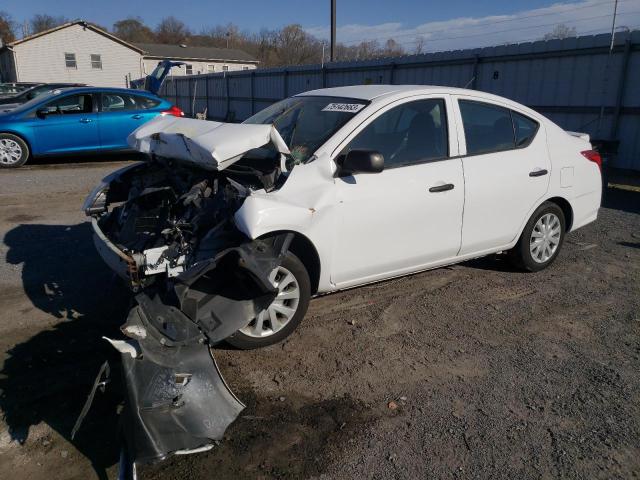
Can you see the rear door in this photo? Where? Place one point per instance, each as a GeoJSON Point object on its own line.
{"type": "Point", "coordinates": [409, 215]}
{"type": "Point", "coordinates": [120, 114]}
{"type": "Point", "coordinates": [506, 172]}
{"type": "Point", "coordinates": [70, 125]}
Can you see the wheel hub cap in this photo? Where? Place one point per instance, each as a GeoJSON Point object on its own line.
{"type": "Point", "coordinates": [545, 238]}
{"type": "Point", "coordinates": [10, 151]}
{"type": "Point", "coordinates": [281, 310]}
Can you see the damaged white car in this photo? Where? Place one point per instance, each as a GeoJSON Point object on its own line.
{"type": "Point", "coordinates": [229, 229]}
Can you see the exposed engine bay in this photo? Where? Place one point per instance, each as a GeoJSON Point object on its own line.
{"type": "Point", "coordinates": [167, 227]}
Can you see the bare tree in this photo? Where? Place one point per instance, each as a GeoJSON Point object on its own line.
{"type": "Point", "coordinates": [133, 29]}
{"type": "Point", "coordinates": [559, 32]}
{"type": "Point", "coordinates": [294, 46]}
{"type": "Point", "coordinates": [7, 32]}
{"type": "Point", "coordinates": [419, 48]}
{"type": "Point", "coordinates": [171, 30]}
{"type": "Point", "coordinates": [392, 49]}
{"type": "Point", "coordinates": [41, 22]}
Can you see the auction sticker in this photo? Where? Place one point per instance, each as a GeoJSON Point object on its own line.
{"type": "Point", "coordinates": [343, 107]}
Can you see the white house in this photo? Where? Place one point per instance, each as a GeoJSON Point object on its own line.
{"type": "Point", "coordinates": [197, 59]}
{"type": "Point", "coordinates": [79, 52]}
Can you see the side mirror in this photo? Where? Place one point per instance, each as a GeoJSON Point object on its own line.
{"type": "Point", "coordinates": [362, 161]}
{"type": "Point", "coordinates": [42, 113]}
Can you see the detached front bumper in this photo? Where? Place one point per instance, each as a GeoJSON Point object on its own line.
{"type": "Point", "coordinates": [123, 264]}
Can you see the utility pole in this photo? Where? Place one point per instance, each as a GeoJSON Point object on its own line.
{"type": "Point", "coordinates": [333, 30]}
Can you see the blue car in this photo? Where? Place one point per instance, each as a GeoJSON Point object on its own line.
{"type": "Point", "coordinates": [76, 120]}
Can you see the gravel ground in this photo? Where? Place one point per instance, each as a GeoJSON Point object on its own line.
{"type": "Point", "coordinates": [473, 371]}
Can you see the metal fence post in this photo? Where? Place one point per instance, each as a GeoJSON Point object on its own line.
{"type": "Point", "coordinates": [621, 85]}
{"type": "Point", "coordinates": [228, 99]}
{"type": "Point", "coordinates": [285, 85]}
{"type": "Point", "coordinates": [324, 76]}
{"type": "Point", "coordinates": [253, 101]}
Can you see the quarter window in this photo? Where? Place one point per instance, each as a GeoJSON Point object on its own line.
{"type": "Point", "coordinates": [70, 60]}
{"type": "Point", "coordinates": [411, 133]}
{"type": "Point", "coordinates": [145, 103]}
{"type": "Point", "coordinates": [487, 128]}
{"type": "Point", "coordinates": [525, 129]}
{"type": "Point", "coordinates": [96, 61]}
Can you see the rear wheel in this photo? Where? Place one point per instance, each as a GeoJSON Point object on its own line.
{"type": "Point", "coordinates": [286, 312]}
{"type": "Point", "coordinates": [541, 239]}
{"type": "Point", "coordinates": [14, 152]}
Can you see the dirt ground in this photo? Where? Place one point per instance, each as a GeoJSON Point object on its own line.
{"type": "Point", "coordinates": [473, 371]}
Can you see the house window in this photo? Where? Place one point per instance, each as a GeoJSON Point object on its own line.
{"type": "Point", "coordinates": [225, 68]}
{"type": "Point", "coordinates": [211, 68]}
{"type": "Point", "coordinates": [70, 60]}
{"type": "Point", "coordinates": [245, 68]}
{"type": "Point", "coordinates": [189, 69]}
{"type": "Point", "coordinates": [96, 61]}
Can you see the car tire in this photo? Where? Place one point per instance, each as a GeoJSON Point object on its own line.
{"type": "Point", "coordinates": [257, 336]}
{"type": "Point", "coordinates": [14, 151]}
{"type": "Point", "coordinates": [541, 239]}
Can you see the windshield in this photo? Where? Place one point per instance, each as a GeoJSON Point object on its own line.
{"type": "Point", "coordinates": [305, 123]}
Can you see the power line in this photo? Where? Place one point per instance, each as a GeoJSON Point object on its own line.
{"type": "Point", "coordinates": [485, 24]}
{"type": "Point", "coordinates": [431, 40]}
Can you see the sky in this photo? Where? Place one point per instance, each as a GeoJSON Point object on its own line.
{"type": "Point", "coordinates": [443, 25]}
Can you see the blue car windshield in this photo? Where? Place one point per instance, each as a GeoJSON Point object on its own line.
{"type": "Point", "coordinates": [306, 122]}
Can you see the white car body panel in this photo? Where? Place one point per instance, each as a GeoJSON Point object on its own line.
{"type": "Point", "coordinates": [370, 227]}
{"type": "Point", "coordinates": [211, 145]}
{"type": "Point", "coordinates": [499, 193]}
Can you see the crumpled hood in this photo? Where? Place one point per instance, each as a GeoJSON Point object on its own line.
{"type": "Point", "coordinates": [211, 145]}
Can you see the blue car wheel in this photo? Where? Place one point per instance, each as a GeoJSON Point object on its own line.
{"type": "Point", "coordinates": [14, 152]}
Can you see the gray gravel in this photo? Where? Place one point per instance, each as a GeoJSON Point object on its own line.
{"type": "Point", "coordinates": [473, 371]}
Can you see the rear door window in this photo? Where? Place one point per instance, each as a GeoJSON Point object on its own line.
{"type": "Point", "coordinates": [114, 102]}
{"type": "Point", "coordinates": [487, 127]}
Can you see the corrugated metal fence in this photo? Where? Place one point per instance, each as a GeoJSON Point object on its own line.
{"type": "Point", "coordinates": [576, 82]}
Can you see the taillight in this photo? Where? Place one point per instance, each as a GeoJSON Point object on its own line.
{"type": "Point", "coordinates": [175, 111]}
{"type": "Point", "coordinates": [593, 156]}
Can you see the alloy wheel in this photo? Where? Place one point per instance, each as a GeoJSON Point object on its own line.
{"type": "Point", "coordinates": [10, 151]}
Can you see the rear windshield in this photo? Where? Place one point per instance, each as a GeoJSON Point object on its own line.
{"type": "Point", "coordinates": [306, 122]}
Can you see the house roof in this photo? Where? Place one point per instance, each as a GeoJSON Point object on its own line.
{"type": "Point", "coordinates": [178, 52]}
{"type": "Point", "coordinates": [69, 24]}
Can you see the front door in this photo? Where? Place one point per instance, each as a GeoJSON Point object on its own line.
{"type": "Point", "coordinates": [67, 124]}
{"type": "Point", "coordinates": [408, 216]}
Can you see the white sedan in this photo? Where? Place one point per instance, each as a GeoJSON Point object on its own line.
{"type": "Point", "coordinates": [372, 182]}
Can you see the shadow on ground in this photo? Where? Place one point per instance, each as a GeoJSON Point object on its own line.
{"type": "Point", "coordinates": [47, 377]}
{"type": "Point", "coordinates": [619, 199]}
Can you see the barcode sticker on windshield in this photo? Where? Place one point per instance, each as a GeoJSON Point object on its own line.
{"type": "Point", "coordinates": [343, 107]}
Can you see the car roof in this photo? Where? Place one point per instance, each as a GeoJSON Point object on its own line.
{"type": "Point", "coordinates": [129, 91]}
{"type": "Point", "coordinates": [370, 92]}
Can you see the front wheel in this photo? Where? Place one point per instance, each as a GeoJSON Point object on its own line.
{"type": "Point", "coordinates": [286, 312]}
{"type": "Point", "coordinates": [541, 238]}
{"type": "Point", "coordinates": [14, 152]}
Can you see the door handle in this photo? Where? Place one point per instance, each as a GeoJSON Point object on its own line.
{"type": "Point", "coordinates": [538, 173]}
{"type": "Point", "coordinates": [137, 116]}
{"type": "Point", "coordinates": [441, 188]}
{"type": "Point", "coordinates": [85, 120]}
